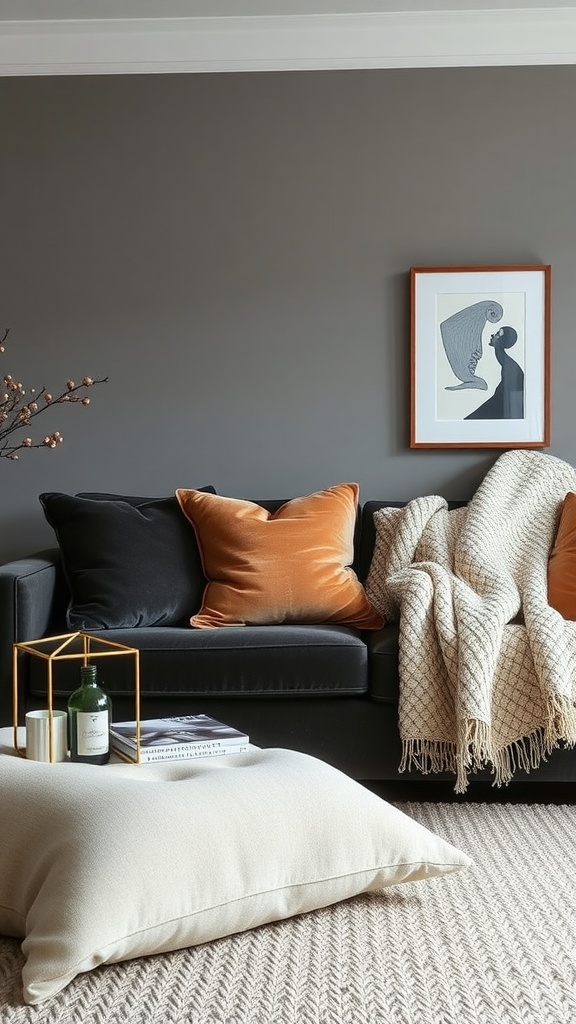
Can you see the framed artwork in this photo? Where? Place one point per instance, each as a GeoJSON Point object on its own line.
{"type": "Point", "coordinates": [480, 357]}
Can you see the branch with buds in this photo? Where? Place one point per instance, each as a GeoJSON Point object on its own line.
{"type": "Point", "coordinates": [17, 410]}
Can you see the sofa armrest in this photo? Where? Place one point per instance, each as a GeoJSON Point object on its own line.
{"type": "Point", "coordinates": [33, 600]}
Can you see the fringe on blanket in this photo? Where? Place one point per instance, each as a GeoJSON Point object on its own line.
{"type": "Point", "coordinates": [474, 751]}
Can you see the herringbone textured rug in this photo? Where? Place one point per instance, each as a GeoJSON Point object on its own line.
{"type": "Point", "coordinates": [495, 944]}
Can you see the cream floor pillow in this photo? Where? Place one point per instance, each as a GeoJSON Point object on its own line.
{"type": "Point", "coordinates": [99, 865]}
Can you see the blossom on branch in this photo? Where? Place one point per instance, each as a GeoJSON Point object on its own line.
{"type": "Point", "coordinates": [17, 410]}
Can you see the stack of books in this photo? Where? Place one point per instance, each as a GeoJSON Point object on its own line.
{"type": "Point", "coordinates": [171, 739]}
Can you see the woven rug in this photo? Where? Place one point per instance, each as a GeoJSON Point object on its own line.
{"type": "Point", "coordinates": [495, 944]}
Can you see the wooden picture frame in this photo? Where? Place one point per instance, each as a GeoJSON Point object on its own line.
{"type": "Point", "coordinates": [480, 357]}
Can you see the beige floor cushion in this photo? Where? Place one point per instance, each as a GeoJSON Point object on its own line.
{"type": "Point", "coordinates": [99, 865]}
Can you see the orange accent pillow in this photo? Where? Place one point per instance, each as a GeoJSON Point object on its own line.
{"type": "Point", "coordinates": [562, 562]}
{"type": "Point", "coordinates": [291, 566]}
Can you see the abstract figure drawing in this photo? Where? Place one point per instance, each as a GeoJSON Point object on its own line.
{"type": "Point", "coordinates": [462, 339]}
{"type": "Point", "coordinates": [507, 402]}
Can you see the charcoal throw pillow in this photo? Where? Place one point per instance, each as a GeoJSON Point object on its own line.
{"type": "Point", "coordinates": [126, 564]}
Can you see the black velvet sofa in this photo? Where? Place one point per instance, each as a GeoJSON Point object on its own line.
{"type": "Point", "coordinates": [328, 690]}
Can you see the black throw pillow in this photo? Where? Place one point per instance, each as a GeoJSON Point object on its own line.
{"type": "Point", "coordinates": [128, 561]}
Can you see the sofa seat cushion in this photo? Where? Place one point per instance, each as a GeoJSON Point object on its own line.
{"type": "Point", "coordinates": [383, 661]}
{"type": "Point", "coordinates": [254, 661]}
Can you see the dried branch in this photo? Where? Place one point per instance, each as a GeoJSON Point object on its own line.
{"type": "Point", "coordinates": [17, 411]}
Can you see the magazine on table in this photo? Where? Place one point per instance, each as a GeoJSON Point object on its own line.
{"type": "Point", "coordinates": [168, 739]}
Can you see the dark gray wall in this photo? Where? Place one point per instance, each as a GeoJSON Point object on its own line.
{"type": "Point", "coordinates": [233, 251]}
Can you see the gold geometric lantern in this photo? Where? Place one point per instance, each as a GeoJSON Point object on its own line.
{"type": "Point", "coordinates": [71, 647]}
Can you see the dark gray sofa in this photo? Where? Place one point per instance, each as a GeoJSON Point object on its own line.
{"type": "Point", "coordinates": [328, 690]}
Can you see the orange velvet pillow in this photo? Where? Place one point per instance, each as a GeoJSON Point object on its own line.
{"type": "Point", "coordinates": [562, 562]}
{"type": "Point", "coordinates": [291, 566]}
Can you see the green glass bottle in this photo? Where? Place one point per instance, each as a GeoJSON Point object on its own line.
{"type": "Point", "coordinates": [89, 718]}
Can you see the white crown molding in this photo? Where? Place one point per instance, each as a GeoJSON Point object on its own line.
{"type": "Point", "coordinates": [289, 42]}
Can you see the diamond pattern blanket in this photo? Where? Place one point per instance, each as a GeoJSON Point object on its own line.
{"type": "Point", "coordinates": [487, 667]}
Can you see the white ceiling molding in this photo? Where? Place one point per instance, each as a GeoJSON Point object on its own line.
{"type": "Point", "coordinates": [289, 42]}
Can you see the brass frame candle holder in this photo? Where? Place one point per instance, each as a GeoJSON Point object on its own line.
{"type": "Point", "coordinates": [88, 650]}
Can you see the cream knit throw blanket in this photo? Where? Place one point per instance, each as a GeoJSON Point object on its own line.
{"type": "Point", "coordinates": [487, 667]}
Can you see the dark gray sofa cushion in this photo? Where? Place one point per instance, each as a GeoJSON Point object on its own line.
{"type": "Point", "coordinates": [383, 661]}
{"type": "Point", "coordinates": [244, 661]}
{"type": "Point", "coordinates": [128, 562]}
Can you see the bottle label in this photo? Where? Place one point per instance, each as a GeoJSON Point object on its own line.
{"type": "Point", "coordinates": [92, 733]}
